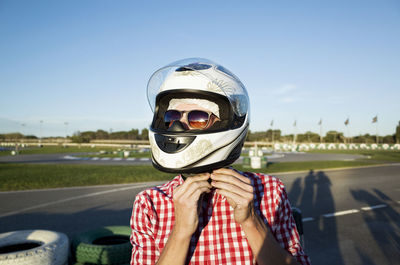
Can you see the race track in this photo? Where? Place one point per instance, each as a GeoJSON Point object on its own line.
{"type": "Point", "coordinates": [350, 216]}
{"type": "Point", "coordinates": [75, 159]}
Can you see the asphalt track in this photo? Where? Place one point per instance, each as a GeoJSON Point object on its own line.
{"type": "Point", "coordinates": [75, 159]}
{"type": "Point", "coordinates": [351, 216]}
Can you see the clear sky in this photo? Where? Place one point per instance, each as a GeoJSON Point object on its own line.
{"type": "Point", "coordinates": [88, 62]}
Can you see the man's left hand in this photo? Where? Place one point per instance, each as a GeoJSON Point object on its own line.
{"type": "Point", "coordinates": [238, 191]}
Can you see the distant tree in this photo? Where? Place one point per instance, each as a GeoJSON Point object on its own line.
{"type": "Point", "coordinates": [366, 138]}
{"type": "Point", "coordinates": [358, 139]}
{"type": "Point", "coordinates": [369, 139]}
{"type": "Point", "coordinates": [334, 137]}
{"type": "Point", "coordinates": [257, 136]}
{"type": "Point", "coordinates": [134, 134]}
{"type": "Point", "coordinates": [144, 135]}
{"type": "Point", "coordinates": [287, 138]}
{"type": "Point", "coordinates": [389, 139]}
{"type": "Point", "coordinates": [308, 137]}
{"type": "Point", "coordinates": [275, 133]}
{"type": "Point", "coordinates": [121, 135]}
{"type": "Point", "coordinates": [398, 133]}
{"type": "Point", "coordinates": [77, 137]}
{"type": "Point", "coordinates": [88, 136]}
{"type": "Point", "coordinates": [102, 135]}
{"type": "Point", "coordinates": [13, 136]}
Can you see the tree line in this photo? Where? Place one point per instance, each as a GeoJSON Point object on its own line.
{"type": "Point", "coordinates": [311, 137]}
{"type": "Point", "coordinates": [87, 136]}
{"type": "Point", "coordinates": [268, 136]}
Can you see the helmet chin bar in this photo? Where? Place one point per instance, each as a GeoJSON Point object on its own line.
{"type": "Point", "coordinates": [193, 169]}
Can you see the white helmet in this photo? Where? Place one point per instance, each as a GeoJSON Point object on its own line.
{"type": "Point", "coordinates": [177, 150]}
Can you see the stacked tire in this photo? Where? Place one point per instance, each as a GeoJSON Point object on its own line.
{"type": "Point", "coordinates": [28, 247]}
{"type": "Point", "coordinates": [107, 245]}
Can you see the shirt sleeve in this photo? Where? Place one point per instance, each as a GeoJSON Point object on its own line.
{"type": "Point", "coordinates": [285, 229]}
{"type": "Point", "coordinates": [144, 250]}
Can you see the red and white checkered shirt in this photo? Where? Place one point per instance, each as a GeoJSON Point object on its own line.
{"type": "Point", "coordinates": [218, 239]}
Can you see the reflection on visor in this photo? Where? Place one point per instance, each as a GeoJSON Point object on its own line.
{"type": "Point", "coordinates": [193, 66]}
{"type": "Point", "coordinates": [196, 119]}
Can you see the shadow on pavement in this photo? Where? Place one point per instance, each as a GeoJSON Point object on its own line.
{"type": "Point", "coordinates": [68, 223]}
{"type": "Point", "coordinates": [383, 225]}
{"type": "Point", "coordinates": [315, 195]}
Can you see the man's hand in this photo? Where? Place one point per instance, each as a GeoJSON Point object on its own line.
{"type": "Point", "coordinates": [238, 191]}
{"type": "Point", "coordinates": [186, 199]}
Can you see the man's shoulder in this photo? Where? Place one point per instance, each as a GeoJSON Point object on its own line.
{"type": "Point", "coordinates": [263, 179]}
{"type": "Point", "coordinates": [259, 175]}
{"type": "Point", "coordinates": [161, 191]}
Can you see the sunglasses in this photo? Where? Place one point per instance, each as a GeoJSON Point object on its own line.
{"type": "Point", "coordinates": [196, 119]}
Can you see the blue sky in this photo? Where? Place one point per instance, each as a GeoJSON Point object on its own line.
{"type": "Point", "coordinates": [88, 62]}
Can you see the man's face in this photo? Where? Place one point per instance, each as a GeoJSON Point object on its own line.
{"type": "Point", "coordinates": [191, 116]}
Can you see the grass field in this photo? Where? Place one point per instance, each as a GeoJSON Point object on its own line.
{"type": "Point", "coordinates": [30, 176]}
{"type": "Point", "coordinates": [111, 155]}
{"type": "Point", "coordinates": [59, 149]}
{"type": "Point", "coordinates": [40, 176]}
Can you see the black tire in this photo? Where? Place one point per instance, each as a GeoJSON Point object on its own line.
{"type": "Point", "coordinates": [106, 245]}
{"type": "Point", "coordinates": [33, 247]}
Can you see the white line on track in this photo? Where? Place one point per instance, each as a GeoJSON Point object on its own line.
{"type": "Point", "coordinates": [117, 158]}
{"type": "Point", "coordinates": [106, 158]}
{"type": "Point", "coordinates": [70, 157]}
{"type": "Point", "coordinates": [328, 215]}
{"type": "Point", "coordinates": [369, 208]}
{"type": "Point", "coordinates": [144, 159]}
{"type": "Point", "coordinates": [95, 158]}
{"type": "Point", "coordinates": [131, 159]}
{"type": "Point", "coordinates": [73, 198]}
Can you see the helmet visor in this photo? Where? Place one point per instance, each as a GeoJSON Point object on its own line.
{"type": "Point", "coordinates": [199, 74]}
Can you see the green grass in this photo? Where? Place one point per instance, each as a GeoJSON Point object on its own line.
{"type": "Point", "coordinates": [132, 154]}
{"type": "Point", "coordinates": [35, 176]}
{"type": "Point", "coordinates": [306, 165]}
{"type": "Point", "coordinates": [59, 149]}
{"type": "Point", "coordinates": [40, 176]}
{"type": "Point", "coordinates": [29, 176]}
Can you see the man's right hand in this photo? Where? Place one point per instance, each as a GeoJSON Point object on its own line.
{"type": "Point", "coordinates": [185, 200]}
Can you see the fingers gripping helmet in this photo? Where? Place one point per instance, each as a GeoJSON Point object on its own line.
{"type": "Point", "coordinates": [177, 150]}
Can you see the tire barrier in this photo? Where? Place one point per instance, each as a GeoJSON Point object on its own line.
{"type": "Point", "coordinates": [106, 245]}
{"type": "Point", "coordinates": [333, 146]}
{"type": "Point", "coordinates": [34, 247]}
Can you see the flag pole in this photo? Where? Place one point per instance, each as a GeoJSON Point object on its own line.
{"type": "Point", "coordinates": [272, 131]}
{"type": "Point", "coordinates": [320, 130]}
{"type": "Point", "coordinates": [375, 120]}
{"type": "Point", "coordinates": [377, 135]}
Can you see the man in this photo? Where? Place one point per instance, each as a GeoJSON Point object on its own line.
{"type": "Point", "coordinates": [209, 213]}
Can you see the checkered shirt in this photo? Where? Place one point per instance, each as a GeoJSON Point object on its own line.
{"type": "Point", "coordinates": [219, 239]}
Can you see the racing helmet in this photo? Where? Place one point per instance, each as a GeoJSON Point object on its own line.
{"type": "Point", "coordinates": [176, 149]}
